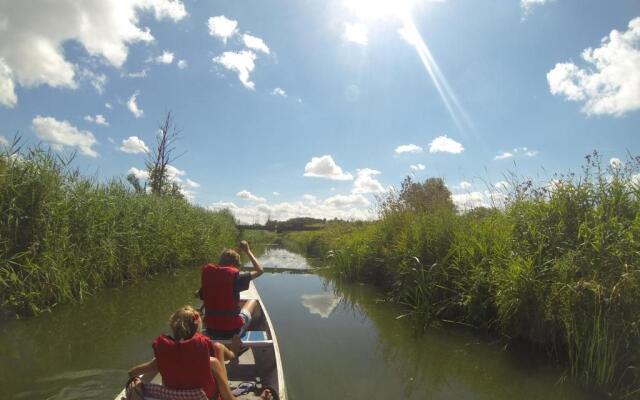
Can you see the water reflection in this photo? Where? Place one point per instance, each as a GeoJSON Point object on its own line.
{"type": "Point", "coordinates": [321, 304]}
{"type": "Point", "coordinates": [282, 259]}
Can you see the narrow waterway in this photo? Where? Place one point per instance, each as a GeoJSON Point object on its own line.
{"type": "Point", "coordinates": [337, 342]}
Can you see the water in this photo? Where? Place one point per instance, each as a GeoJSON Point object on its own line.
{"type": "Point", "coordinates": [336, 343]}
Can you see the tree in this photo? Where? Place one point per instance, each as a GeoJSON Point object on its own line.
{"type": "Point", "coordinates": [159, 159]}
{"type": "Point", "coordinates": [430, 195]}
{"type": "Point", "coordinates": [135, 182]}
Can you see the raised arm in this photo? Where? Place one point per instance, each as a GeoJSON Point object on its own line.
{"type": "Point", "coordinates": [257, 268]}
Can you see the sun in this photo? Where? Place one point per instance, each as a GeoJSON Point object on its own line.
{"type": "Point", "coordinates": [379, 9]}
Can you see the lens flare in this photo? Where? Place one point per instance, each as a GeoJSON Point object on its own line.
{"type": "Point", "coordinates": [410, 33]}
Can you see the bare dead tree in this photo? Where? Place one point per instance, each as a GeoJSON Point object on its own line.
{"type": "Point", "coordinates": [161, 156]}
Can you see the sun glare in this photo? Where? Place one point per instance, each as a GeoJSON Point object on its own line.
{"type": "Point", "coordinates": [379, 9]}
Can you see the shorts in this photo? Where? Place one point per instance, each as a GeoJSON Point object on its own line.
{"type": "Point", "coordinates": [221, 334]}
{"type": "Point", "coordinates": [246, 317]}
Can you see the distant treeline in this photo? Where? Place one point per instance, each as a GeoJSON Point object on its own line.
{"type": "Point", "coordinates": [557, 266]}
{"type": "Point", "coordinates": [64, 236]}
{"type": "Point", "coordinates": [290, 225]}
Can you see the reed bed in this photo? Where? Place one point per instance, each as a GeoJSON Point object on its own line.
{"type": "Point", "coordinates": [64, 236]}
{"type": "Point", "coordinates": [557, 267]}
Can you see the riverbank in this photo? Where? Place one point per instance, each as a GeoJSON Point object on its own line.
{"type": "Point", "coordinates": [556, 267]}
{"type": "Point", "coordinates": [64, 236]}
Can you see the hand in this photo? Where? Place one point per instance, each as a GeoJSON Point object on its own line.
{"type": "Point", "coordinates": [244, 246]}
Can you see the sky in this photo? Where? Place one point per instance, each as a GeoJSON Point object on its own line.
{"type": "Point", "coordinates": [314, 108]}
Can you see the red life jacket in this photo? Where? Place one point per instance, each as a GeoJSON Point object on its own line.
{"type": "Point", "coordinates": [222, 305]}
{"type": "Point", "coordinates": [184, 364]}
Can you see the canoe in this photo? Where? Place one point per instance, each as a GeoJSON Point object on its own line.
{"type": "Point", "coordinates": [260, 366]}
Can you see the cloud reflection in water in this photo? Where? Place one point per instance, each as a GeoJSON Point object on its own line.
{"type": "Point", "coordinates": [321, 304]}
{"type": "Point", "coordinates": [281, 258]}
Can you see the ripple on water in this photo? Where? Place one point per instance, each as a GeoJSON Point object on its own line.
{"type": "Point", "coordinates": [75, 385]}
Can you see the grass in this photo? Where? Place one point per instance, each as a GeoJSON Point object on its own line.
{"type": "Point", "coordinates": [64, 236]}
{"type": "Point", "coordinates": [557, 267]}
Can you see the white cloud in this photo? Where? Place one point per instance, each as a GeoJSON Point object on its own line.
{"type": "Point", "coordinates": [502, 185]}
{"type": "Point", "coordinates": [174, 174]}
{"type": "Point", "coordinates": [32, 35]}
{"type": "Point", "coordinates": [464, 185]}
{"type": "Point", "coordinates": [366, 183]}
{"type": "Point", "coordinates": [140, 74]}
{"type": "Point", "coordinates": [108, 105]}
{"type": "Point", "coordinates": [98, 81]}
{"type": "Point", "coordinates": [172, 9]}
{"type": "Point", "coordinates": [309, 198]}
{"type": "Point", "coordinates": [3, 141]}
{"type": "Point", "coordinates": [133, 105]}
{"type": "Point", "coordinates": [518, 151]}
{"type": "Point", "coordinates": [98, 119]}
{"type": "Point", "coordinates": [191, 184]}
{"type": "Point", "coordinates": [61, 133]}
{"type": "Point", "coordinates": [189, 195]}
{"type": "Point", "coordinates": [255, 43]}
{"type": "Point", "coordinates": [246, 195]}
{"type": "Point", "coordinates": [610, 84]}
{"type": "Point", "coordinates": [408, 148]}
{"type": "Point", "coordinates": [139, 173]}
{"type": "Point", "coordinates": [470, 200]}
{"type": "Point", "coordinates": [349, 207]}
{"type": "Point", "coordinates": [222, 27]}
{"type": "Point", "coordinates": [527, 5]}
{"type": "Point", "coordinates": [279, 92]}
{"type": "Point", "coordinates": [445, 145]}
{"type": "Point", "coordinates": [276, 193]}
{"type": "Point", "coordinates": [350, 200]}
{"type": "Point", "coordinates": [355, 33]}
{"type": "Point", "coordinates": [182, 64]}
{"type": "Point", "coordinates": [417, 167]}
{"type": "Point", "coordinates": [242, 62]}
{"type": "Point", "coordinates": [165, 58]}
{"type": "Point", "coordinates": [134, 145]}
{"type": "Point", "coordinates": [8, 96]}
{"type": "Point", "coordinates": [615, 163]}
{"type": "Point", "coordinates": [502, 156]}
{"type": "Point", "coordinates": [325, 167]}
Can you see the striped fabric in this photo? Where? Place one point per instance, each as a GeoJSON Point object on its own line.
{"type": "Point", "coordinates": [159, 392]}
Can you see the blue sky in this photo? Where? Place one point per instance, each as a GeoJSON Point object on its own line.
{"type": "Point", "coordinates": [291, 108]}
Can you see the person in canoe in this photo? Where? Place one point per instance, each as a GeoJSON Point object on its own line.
{"type": "Point", "coordinates": [191, 365]}
{"type": "Point", "coordinates": [220, 292]}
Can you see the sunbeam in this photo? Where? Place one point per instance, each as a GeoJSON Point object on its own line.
{"type": "Point", "coordinates": [410, 33]}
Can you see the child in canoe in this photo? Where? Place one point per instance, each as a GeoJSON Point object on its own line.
{"type": "Point", "coordinates": [188, 362]}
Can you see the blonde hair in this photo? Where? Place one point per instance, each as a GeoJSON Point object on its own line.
{"type": "Point", "coordinates": [185, 323]}
{"type": "Point", "coordinates": [229, 257]}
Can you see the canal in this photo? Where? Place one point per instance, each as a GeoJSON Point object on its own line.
{"type": "Point", "coordinates": [338, 341]}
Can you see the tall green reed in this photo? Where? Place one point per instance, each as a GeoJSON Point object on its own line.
{"type": "Point", "coordinates": [64, 236]}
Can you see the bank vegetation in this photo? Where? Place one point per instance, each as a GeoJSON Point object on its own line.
{"type": "Point", "coordinates": [555, 266]}
{"type": "Point", "coordinates": [64, 236]}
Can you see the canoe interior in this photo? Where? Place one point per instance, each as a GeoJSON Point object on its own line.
{"type": "Point", "coordinates": [260, 365]}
